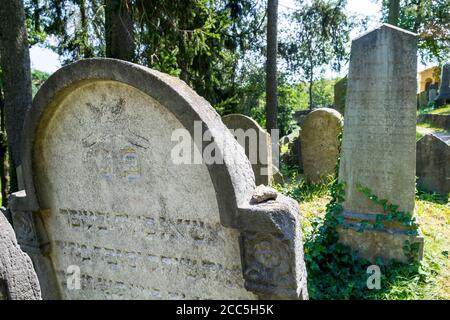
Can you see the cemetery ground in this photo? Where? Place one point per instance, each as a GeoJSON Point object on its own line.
{"type": "Point", "coordinates": [424, 128]}
{"type": "Point", "coordinates": [335, 273]}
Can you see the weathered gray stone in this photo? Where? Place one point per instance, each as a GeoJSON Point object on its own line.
{"type": "Point", "coordinates": [432, 95]}
{"type": "Point", "coordinates": [103, 193]}
{"type": "Point", "coordinates": [18, 280]}
{"type": "Point", "coordinates": [320, 143]}
{"type": "Point", "coordinates": [263, 193]}
{"type": "Point", "coordinates": [257, 144]}
{"type": "Point", "coordinates": [378, 148]}
{"type": "Point", "coordinates": [293, 155]}
{"type": "Point", "coordinates": [340, 91]}
{"type": "Point", "coordinates": [422, 100]}
{"type": "Point", "coordinates": [444, 88]}
{"type": "Point", "coordinates": [433, 165]}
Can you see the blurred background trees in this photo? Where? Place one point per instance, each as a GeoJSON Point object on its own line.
{"type": "Point", "coordinates": [218, 47]}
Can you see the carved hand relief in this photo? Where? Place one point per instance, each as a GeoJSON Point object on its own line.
{"type": "Point", "coordinates": [111, 145]}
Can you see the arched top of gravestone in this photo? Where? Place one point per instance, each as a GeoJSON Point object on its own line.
{"type": "Point", "coordinates": [233, 180]}
{"type": "Point", "coordinates": [240, 121]}
{"type": "Point", "coordinates": [323, 113]}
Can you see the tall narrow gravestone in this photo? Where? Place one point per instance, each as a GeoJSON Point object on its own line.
{"type": "Point", "coordinates": [378, 149]}
{"type": "Point", "coordinates": [444, 89]}
{"type": "Point", "coordinates": [135, 189]}
{"type": "Point", "coordinates": [256, 142]}
{"type": "Point", "coordinates": [340, 91]}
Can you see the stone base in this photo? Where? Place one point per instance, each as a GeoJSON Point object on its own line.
{"type": "Point", "coordinates": [372, 243]}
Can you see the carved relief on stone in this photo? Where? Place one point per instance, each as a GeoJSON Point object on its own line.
{"type": "Point", "coordinates": [268, 262]}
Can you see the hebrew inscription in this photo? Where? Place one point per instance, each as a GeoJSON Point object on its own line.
{"type": "Point", "coordinates": [136, 224]}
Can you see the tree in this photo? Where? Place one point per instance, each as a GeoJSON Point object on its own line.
{"type": "Point", "coordinates": [15, 64]}
{"type": "Point", "coordinates": [271, 66]}
{"type": "Point", "coordinates": [119, 29]}
{"type": "Point", "coordinates": [394, 7]}
{"type": "Point", "coordinates": [3, 152]}
{"type": "Point", "coordinates": [78, 26]}
{"type": "Point", "coordinates": [320, 35]}
{"type": "Point", "coordinates": [430, 19]}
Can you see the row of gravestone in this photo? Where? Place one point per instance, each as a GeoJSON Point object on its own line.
{"type": "Point", "coordinates": [315, 150]}
{"type": "Point", "coordinates": [133, 187]}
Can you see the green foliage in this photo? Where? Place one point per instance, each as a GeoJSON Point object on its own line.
{"type": "Point", "coordinates": [431, 197]}
{"type": "Point", "coordinates": [319, 36]}
{"type": "Point", "coordinates": [201, 41]}
{"type": "Point", "coordinates": [391, 212]}
{"type": "Point", "coordinates": [323, 92]}
{"type": "Point", "coordinates": [37, 79]}
{"type": "Point", "coordinates": [430, 19]}
{"type": "Point", "coordinates": [291, 98]}
{"type": "Point", "coordinates": [334, 270]}
{"type": "Point", "coordinates": [442, 110]}
{"type": "Point", "coordinates": [299, 189]}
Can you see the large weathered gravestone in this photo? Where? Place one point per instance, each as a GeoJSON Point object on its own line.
{"type": "Point", "coordinates": [444, 89]}
{"type": "Point", "coordinates": [116, 206]}
{"type": "Point", "coordinates": [256, 142]}
{"type": "Point", "coordinates": [18, 280]}
{"type": "Point", "coordinates": [433, 164]}
{"type": "Point", "coordinates": [320, 143]}
{"type": "Point", "coordinates": [378, 148]}
{"type": "Point", "coordinates": [340, 91]}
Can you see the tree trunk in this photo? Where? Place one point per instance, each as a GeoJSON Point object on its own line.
{"type": "Point", "coordinates": [311, 82]}
{"type": "Point", "coordinates": [3, 154]}
{"type": "Point", "coordinates": [271, 66]}
{"type": "Point", "coordinates": [418, 20]}
{"type": "Point", "coordinates": [36, 16]}
{"type": "Point", "coordinates": [394, 12]}
{"type": "Point", "coordinates": [119, 30]}
{"type": "Point", "coordinates": [15, 64]}
{"type": "Point", "coordinates": [85, 48]}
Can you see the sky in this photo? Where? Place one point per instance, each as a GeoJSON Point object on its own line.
{"type": "Point", "coordinates": [46, 60]}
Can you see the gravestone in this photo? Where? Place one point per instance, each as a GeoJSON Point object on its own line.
{"type": "Point", "coordinates": [320, 143]}
{"type": "Point", "coordinates": [444, 88]}
{"type": "Point", "coordinates": [18, 280]}
{"type": "Point", "coordinates": [378, 148]}
{"type": "Point", "coordinates": [422, 100]}
{"type": "Point", "coordinates": [433, 164]}
{"type": "Point", "coordinates": [432, 94]}
{"type": "Point", "coordinates": [122, 200]}
{"type": "Point", "coordinates": [257, 144]}
{"type": "Point", "coordinates": [340, 91]}
{"type": "Point", "coordinates": [293, 155]}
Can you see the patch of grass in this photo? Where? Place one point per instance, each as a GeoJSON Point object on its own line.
{"type": "Point", "coordinates": [298, 188]}
{"type": "Point", "coordinates": [425, 110]}
{"type": "Point", "coordinates": [428, 126]}
{"type": "Point", "coordinates": [335, 272]}
{"type": "Point", "coordinates": [419, 135]}
{"type": "Point", "coordinates": [443, 110]}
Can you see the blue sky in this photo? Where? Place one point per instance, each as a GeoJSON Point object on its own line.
{"type": "Point", "coordinates": [46, 60]}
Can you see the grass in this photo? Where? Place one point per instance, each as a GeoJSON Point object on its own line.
{"type": "Point", "coordinates": [430, 109]}
{"type": "Point", "coordinates": [426, 128]}
{"type": "Point", "coordinates": [444, 110]}
{"type": "Point", "coordinates": [342, 276]}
